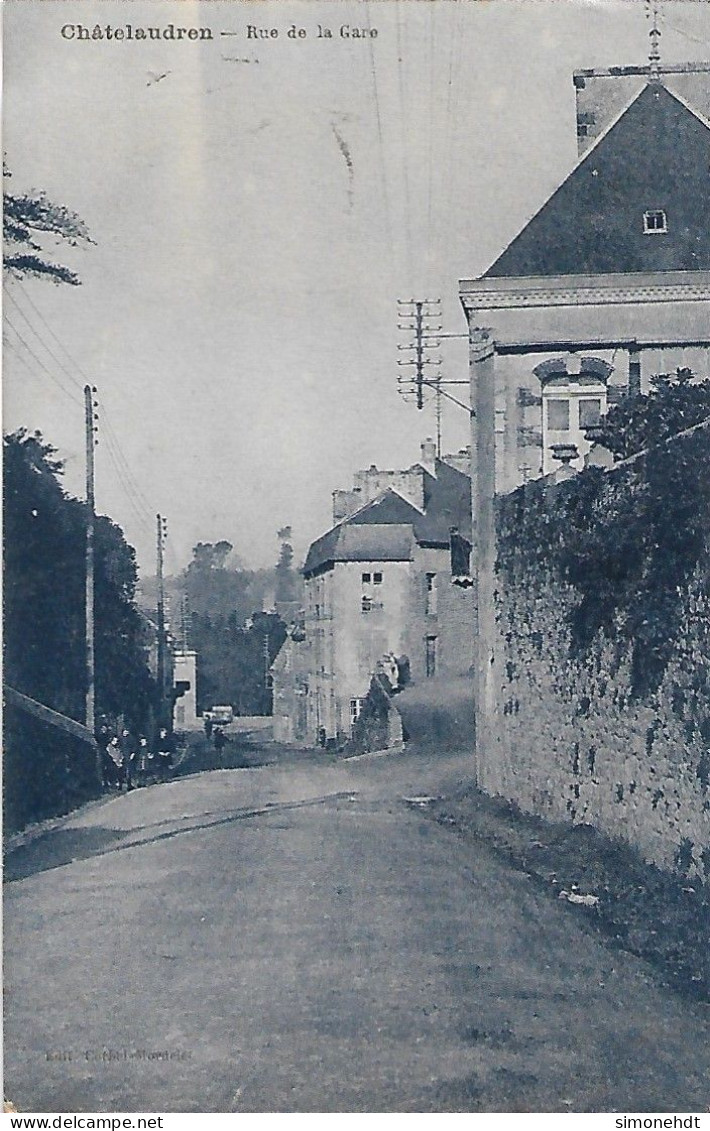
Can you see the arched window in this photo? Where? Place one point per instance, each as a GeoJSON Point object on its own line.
{"type": "Point", "coordinates": [574, 398]}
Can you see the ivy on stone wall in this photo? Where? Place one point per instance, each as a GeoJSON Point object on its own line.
{"type": "Point", "coordinates": [626, 542]}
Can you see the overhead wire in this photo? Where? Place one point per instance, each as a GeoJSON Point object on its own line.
{"type": "Point", "coordinates": [430, 170]}
{"type": "Point", "coordinates": [70, 376]}
{"type": "Point", "coordinates": [39, 337]}
{"type": "Point", "coordinates": [403, 120]}
{"type": "Point", "coordinates": [67, 392]}
{"type": "Point", "coordinates": [380, 134]}
{"type": "Point", "coordinates": [124, 473]}
{"type": "Point", "coordinates": [115, 458]}
{"type": "Point", "coordinates": [452, 109]}
{"type": "Point", "coordinates": [681, 31]}
{"type": "Point", "coordinates": [10, 345]}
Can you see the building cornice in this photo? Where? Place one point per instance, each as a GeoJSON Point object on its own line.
{"type": "Point", "coordinates": [584, 290]}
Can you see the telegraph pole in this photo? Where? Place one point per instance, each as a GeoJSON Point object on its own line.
{"type": "Point", "coordinates": [415, 320]}
{"type": "Point", "coordinates": [415, 317]}
{"type": "Point", "coordinates": [161, 532]}
{"type": "Point", "coordinates": [91, 441]}
{"type": "Point", "coordinates": [266, 658]}
{"type": "Point", "coordinates": [483, 550]}
{"type": "Point", "coordinates": [184, 621]}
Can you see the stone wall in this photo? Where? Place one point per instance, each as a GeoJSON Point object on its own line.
{"type": "Point", "coordinates": [46, 772]}
{"type": "Point", "coordinates": [602, 658]}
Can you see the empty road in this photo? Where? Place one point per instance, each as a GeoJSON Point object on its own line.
{"type": "Point", "coordinates": [299, 938]}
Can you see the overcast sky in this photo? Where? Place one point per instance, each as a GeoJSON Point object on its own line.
{"type": "Point", "coordinates": [257, 209]}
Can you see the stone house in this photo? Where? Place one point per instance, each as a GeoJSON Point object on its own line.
{"type": "Point", "coordinates": [609, 282]}
{"type": "Point", "coordinates": [377, 583]}
{"type": "Point", "coordinates": [607, 285]}
{"type": "Point", "coordinates": [289, 681]}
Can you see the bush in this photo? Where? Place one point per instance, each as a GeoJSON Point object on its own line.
{"type": "Point", "coordinates": [676, 401]}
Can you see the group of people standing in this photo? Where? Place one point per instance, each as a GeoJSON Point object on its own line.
{"type": "Point", "coordinates": [131, 760]}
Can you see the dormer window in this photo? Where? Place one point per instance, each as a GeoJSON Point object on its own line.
{"type": "Point", "coordinates": [655, 221]}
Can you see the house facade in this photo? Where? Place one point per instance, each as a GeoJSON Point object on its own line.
{"type": "Point", "coordinates": [289, 680]}
{"type": "Point", "coordinates": [608, 284]}
{"type": "Point", "coordinates": [185, 690]}
{"type": "Point", "coordinates": [377, 583]}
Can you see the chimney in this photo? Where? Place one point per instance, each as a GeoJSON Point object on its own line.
{"type": "Point", "coordinates": [461, 460]}
{"type": "Point", "coordinates": [428, 458]}
{"type": "Point", "coordinates": [345, 503]}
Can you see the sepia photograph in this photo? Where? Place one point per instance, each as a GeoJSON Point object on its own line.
{"type": "Point", "coordinates": [356, 559]}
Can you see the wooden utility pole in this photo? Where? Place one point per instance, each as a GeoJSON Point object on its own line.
{"type": "Point", "coordinates": [161, 528]}
{"type": "Point", "coordinates": [483, 550]}
{"type": "Point", "coordinates": [184, 622]}
{"type": "Point", "coordinates": [414, 318]}
{"type": "Point", "coordinates": [423, 338]}
{"type": "Point", "coordinates": [90, 522]}
{"type": "Point", "coordinates": [266, 658]}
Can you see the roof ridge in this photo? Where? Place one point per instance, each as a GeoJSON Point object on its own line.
{"type": "Point", "coordinates": [577, 165]}
{"type": "Point", "coordinates": [520, 252]}
{"type": "Point", "coordinates": [684, 102]}
{"type": "Point", "coordinates": [376, 498]}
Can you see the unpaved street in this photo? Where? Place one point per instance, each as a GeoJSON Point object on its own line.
{"type": "Point", "coordinates": [298, 938]}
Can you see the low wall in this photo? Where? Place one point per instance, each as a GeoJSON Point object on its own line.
{"type": "Point", "coordinates": [602, 654]}
{"type": "Point", "coordinates": [47, 772]}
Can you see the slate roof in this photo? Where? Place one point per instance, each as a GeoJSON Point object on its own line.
{"type": "Point", "coordinates": [360, 543]}
{"type": "Point", "coordinates": [386, 529]}
{"type": "Point", "coordinates": [389, 507]}
{"type": "Point", "coordinates": [656, 155]}
{"type": "Point", "coordinates": [447, 503]}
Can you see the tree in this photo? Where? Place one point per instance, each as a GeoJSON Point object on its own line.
{"type": "Point", "coordinates": [214, 583]}
{"type": "Point", "coordinates": [235, 641]}
{"type": "Point", "coordinates": [45, 532]}
{"type": "Point", "coordinates": [285, 580]}
{"type": "Point", "coordinates": [27, 218]}
{"type": "Point", "coordinates": [210, 555]}
{"type": "Point", "coordinates": [676, 401]}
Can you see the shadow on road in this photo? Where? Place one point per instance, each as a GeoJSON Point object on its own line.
{"type": "Point", "coordinates": [56, 848]}
{"type": "Point", "coordinates": [59, 847]}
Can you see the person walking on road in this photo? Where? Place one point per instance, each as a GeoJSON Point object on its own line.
{"type": "Point", "coordinates": [166, 749]}
{"type": "Point", "coordinates": [220, 741]}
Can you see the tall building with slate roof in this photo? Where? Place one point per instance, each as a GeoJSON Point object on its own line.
{"type": "Point", "coordinates": [377, 583]}
{"type": "Point", "coordinates": [609, 282]}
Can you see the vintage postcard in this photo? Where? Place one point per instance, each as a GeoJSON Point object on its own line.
{"type": "Point", "coordinates": [356, 679]}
